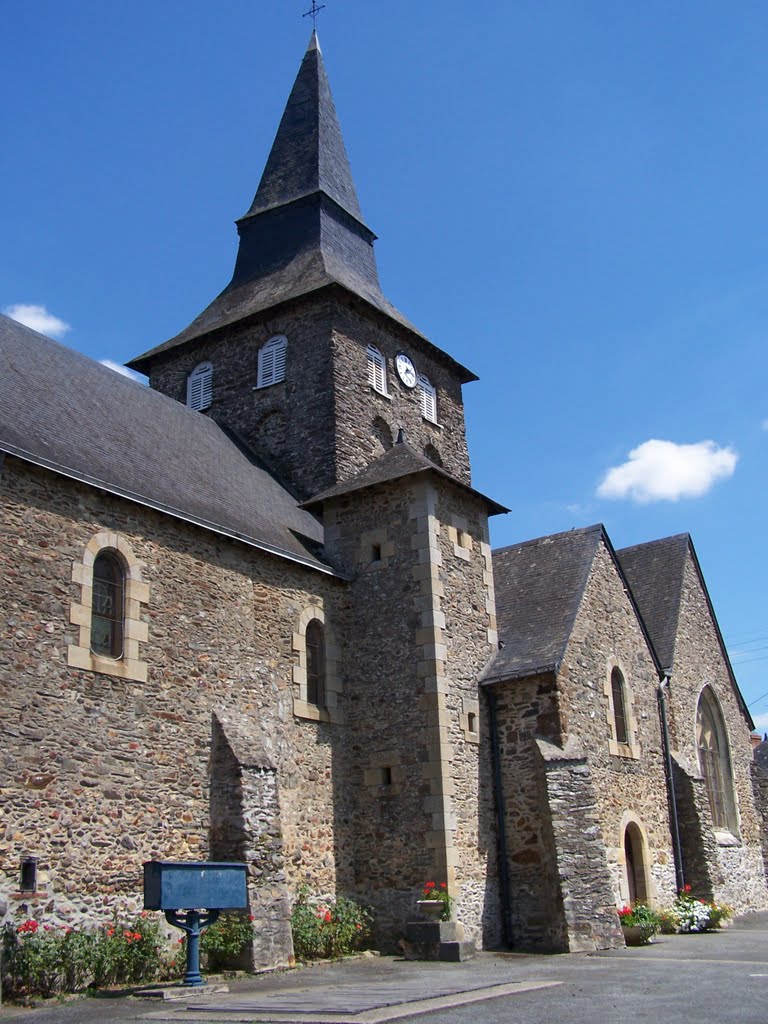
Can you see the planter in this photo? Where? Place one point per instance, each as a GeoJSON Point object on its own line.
{"type": "Point", "coordinates": [432, 910]}
{"type": "Point", "coordinates": [637, 934]}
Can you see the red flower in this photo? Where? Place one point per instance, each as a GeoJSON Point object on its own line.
{"type": "Point", "coordinates": [686, 888]}
{"type": "Point", "coordinates": [625, 911]}
{"type": "Point", "coordinates": [327, 917]}
{"type": "Point", "coordinates": [29, 927]}
{"type": "Point", "coordinates": [443, 885]}
{"type": "Point", "coordinates": [430, 885]}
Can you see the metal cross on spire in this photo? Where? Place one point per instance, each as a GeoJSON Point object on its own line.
{"type": "Point", "coordinates": [314, 11]}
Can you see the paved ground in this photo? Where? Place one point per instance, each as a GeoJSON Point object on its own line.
{"type": "Point", "coordinates": [720, 977]}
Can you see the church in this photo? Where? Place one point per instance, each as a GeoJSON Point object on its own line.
{"type": "Point", "coordinates": [251, 612]}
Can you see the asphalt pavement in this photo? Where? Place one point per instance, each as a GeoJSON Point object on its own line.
{"type": "Point", "coordinates": [721, 976]}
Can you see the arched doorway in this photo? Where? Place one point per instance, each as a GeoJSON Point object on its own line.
{"type": "Point", "coordinates": [634, 860]}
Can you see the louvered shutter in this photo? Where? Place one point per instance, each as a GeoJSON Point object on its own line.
{"type": "Point", "coordinates": [272, 362]}
{"type": "Point", "coordinates": [377, 376]}
{"type": "Point", "coordinates": [200, 387]}
{"type": "Point", "coordinates": [428, 400]}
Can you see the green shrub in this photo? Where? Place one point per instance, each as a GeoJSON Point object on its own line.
{"type": "Point", "coordinates": [43, 960]}
{"type": "Point", "coordinates": [221, 944]}
{"type": "Point", "coordinates": [323, 932]}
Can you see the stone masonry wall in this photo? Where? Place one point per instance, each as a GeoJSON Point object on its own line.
{"type": "Point", "coordinates": [585, 889]}
{"type": "Point", "coordinates": [465, 624]}
{"type": "Point", "coordinates": [408, 673]}
{"type": "Point", "coordinates": [528, 709]}
{"type": "Point", "coordinates": [245, 826]}
{"type": "Point", "coordinates": [738, 877]}
{"type": "Point", "coordinates": [320, 425]}
{"type": "Point", "coordinates": [100, 774]}
{"type": "Point", "coordinates": [357, 405]}
{"type": "Point", "coordinates": [629, 780]}
{"type": "Point", "coordinates": [290, 424]}
{"type": "Point", "coordinates": [760, 787]}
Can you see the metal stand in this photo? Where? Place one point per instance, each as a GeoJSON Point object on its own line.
{"type": "Point", "coordinates": [193, 924]}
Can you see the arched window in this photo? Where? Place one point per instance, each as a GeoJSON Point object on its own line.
{"type": "Point", "coordinates": [619, 706]}
{"type": "Point", "coordinates": [200, 387]}
{"type": "Point", "coordinates": [108, 604]}
{"type": "Point", "coordinates": [428, 396]}
{"type": "Point", "coordinates": [715, 762]}
{"type": "Point", "coordinates": [377, 370]}
{"type": "Point", "coordinates": [272, 361]}
{"type": "Point", "coordinates": [315, 640]}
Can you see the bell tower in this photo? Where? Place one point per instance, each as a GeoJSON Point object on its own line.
{"type": "Point", "coordinates": [301, 356]}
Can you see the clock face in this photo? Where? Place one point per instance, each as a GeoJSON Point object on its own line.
{"type": "Point", "coordinates": [406, 371]}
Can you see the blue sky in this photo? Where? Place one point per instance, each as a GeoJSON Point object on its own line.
{"type": "Point", "coordinates": [570, 199]}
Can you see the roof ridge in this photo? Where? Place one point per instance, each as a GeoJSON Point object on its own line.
{"type": "Point", "coordinates": [576, 531]}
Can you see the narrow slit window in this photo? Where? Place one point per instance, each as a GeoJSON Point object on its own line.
{"type": "Point", "coordinates": [377, 370]}
{"type": "Point", "coordinates": [315, 641]}
{"type": "Point", "coordinates": [200, 387]}
{"type": "Point", "coordinates": [428, 396]}
{"type": "Point", "coordinates": [107, 609]}
{"type": "Point", "coordinates": [472, 722]}
{"type": "Point", "coordinates": [271, 368]}
{"type": "Point", "coordinates": [28, 880]}
{"type": "Point", "coordinates": [619, 707]}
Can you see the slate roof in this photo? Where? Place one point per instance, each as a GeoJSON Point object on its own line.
{"type": "Point", "coordinates": [400, 461]}
{"type": "Point", "coordinates": [655, 573]}
{"type": "Point", "coordinates": [539, 585]}
{"type": "Point", "coordinates": [308, 154]}
{"type": "Point", "coordinates": [304, 230]}
{"type": "Point", "coordinates": [63, 411]}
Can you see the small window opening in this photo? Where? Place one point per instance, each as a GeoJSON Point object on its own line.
{"type": "Point", "coordinates": [200, 387]}
{"type": "Point", "coordinates": [107, 607]}
{"type": "Point", "coordinates": [315, 641]}
{"type": "Point", "coordinates": [619, 707]}
{"type": "Point", "coordinates": [28, 881]}
{"type": "Point", "coordinates": [386, 776]}
{"type": "Point", "coordinates": [428, 398]}
{"type": "Point", "coordinates": [271, 368]}
{"type": "Point", "coordinates": [376, 553]}
{"type": "Point", "coordinates": [377, 370]}
{"type": "Point", "coordinates": [472, 722]}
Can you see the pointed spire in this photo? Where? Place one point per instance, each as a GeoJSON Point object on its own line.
{"type": "Point", "coordinates": [308, 154]}
{"type": "Point", "coordinates": [314, 42]}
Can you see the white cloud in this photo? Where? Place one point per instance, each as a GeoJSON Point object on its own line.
{"type": "Point", "coordinates": [119, 368]}
{"type": "Point", "coordinates": [765, 424]}
{"type": "Point", "coordinates": [38, 318]}
{"type": "Point", "coordinates": [761, 722]}
{"type": "Point", "coordinates": [665, 471]}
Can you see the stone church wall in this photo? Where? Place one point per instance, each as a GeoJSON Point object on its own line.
{"type": "Point", "coordinates": [100, 773]}
{"type": "Point", "coordinates": [469, 637]}
{"type": "Point", "coordinates": [417, 635]}
{"type": "Point", "coordinates": [357, 405]}
{"type": "Point", "coordinates": [527, 710]}
{"type": "Point", "coordinates": [317, 427]}
{"type": "Point", "coordinates": [629, 781]}
{"type": "Point", "coordinates": [289, 424]}
{"type": "Point", "coordinates": [738, 876]}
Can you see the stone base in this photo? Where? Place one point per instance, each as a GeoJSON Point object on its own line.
{"type": "Point", "coordinates": [436, 940]}
{"type": "Point", "coordinates": [180, 991]}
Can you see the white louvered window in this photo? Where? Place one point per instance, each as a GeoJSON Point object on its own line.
{"type": "Point", "coordinates": [428, 396]}
{"type": "Point", "coordinates": [200, 387]}
{"type": "Point", "coordinates": [377, 370]}
{"type": "Point", "coordinates": [272, 361]}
